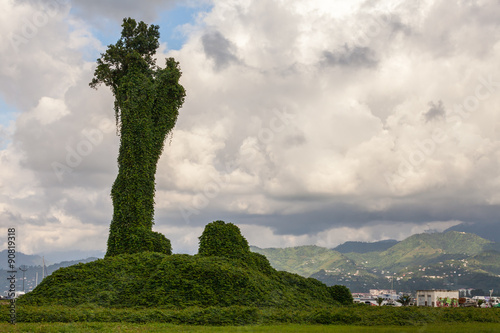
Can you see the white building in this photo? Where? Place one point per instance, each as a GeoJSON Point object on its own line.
{"type": "Point", "coordinates": [437, 297]}
{"type": "Point", "coordinates": [486, 299]}
{"type": "Point", "coordinates": [377, 292]}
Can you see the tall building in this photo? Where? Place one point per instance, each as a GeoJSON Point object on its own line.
{"type": "Point", "coordinates": [437, 297]}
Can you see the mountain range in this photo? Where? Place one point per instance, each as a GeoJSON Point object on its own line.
{"type": "Point", "coordinates": [448, 260]}
{"type": "Point", "coordinates": [21, 259]}
{"type": "Point", "coordinates": [489, 231]}
{"type": "Point", "coordinates": [363, 247]}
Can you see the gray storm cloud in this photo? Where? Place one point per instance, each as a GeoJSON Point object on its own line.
{"type": "Point", "coordinates": [303, 121]}
{"type": "Point", "coordinates": [218, 48]}
{"type": "Point", "coordinates": [116, 10]}
{"type": "Point", "coordinates": [356, 57]}
{"type": "Point", "coordinates": [436, 110]}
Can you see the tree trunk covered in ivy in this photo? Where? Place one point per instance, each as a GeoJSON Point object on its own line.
{"type": "Point", "coordinates": [147, 101]}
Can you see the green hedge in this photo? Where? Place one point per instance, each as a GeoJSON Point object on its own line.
{"type": "Point", "coordinates": [244, 315]}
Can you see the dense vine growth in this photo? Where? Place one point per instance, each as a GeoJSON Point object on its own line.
{"type": "Point", "coordinates": [147, 102]}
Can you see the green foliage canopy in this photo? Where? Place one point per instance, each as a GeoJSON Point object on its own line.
{"type": "Point", "coordinates": [341, 294]}
{"type": "Point", "coordinates": [147, 103]}
{"type": "Point", "coordinates": [223, 240]}
{"type": "Point", "coordinates": [405, 300]}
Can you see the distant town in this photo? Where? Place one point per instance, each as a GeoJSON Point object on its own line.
{"type": "Point", "coordinates": [433, 298]}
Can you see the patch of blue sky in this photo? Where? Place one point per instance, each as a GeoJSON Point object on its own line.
{"type": "Point", "coordinates": [108, 32]}
{"type": "Point", "coordinates": [8, 115]}
{"type": "Point", "coordinates": [171, 22]}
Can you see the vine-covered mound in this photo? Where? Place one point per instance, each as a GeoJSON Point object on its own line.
{"type": "Point", "coordinates": [176, 281]}
{"type": "Point", "coordinates": [223, 273]}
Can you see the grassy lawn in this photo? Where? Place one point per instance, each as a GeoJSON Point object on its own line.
{"type": "Point", "coordinates": [156, 327]}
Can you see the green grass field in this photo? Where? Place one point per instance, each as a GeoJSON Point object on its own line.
{"type": "Point", "coordinates": [91, 318]}
{"type": "Point", "coordinates": [156, 327]}
{"type": "Point", "coordinates": [363, 316]}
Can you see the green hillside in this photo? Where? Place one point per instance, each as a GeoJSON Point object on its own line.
{"type": "Point", "coordinates": [305, 260]}
{"type": "Point", "coordinates": [452, 242]}
{"type": "Point", "coordinates": [487, 261]}
{"type": "Point", "coordinates": [364, 247]}
{"type": "Point", "coordinates": [420, 249]}
{"type": "Point", "coordinates": [424, 261]}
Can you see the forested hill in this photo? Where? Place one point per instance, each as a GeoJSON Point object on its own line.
{"type": "Point", "coordinates": [303, 260]}
{"type": "Point", "coordinates": [364, 247]}
{"type": "Point", "coordinates": [423, 261]}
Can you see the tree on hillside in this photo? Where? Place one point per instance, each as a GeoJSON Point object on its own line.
{"type": "Point", "coordinates": [379, 300]}
{"type": "Point", "coordinates": [147, 102]}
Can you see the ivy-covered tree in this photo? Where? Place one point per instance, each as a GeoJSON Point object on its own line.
{"type": "Point", "coordinates": [147, 103]}
{"type": "Point", "coordinates": [223, 240]}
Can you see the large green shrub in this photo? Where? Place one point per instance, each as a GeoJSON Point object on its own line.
{"type": "Point", "coordinates": [341, 294]}
{"type": "Point", "coordinates": [248, 315]}
{"type": "Point", "coordinates": [223, 240]}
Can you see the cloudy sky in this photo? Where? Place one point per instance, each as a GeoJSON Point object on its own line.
{"type": "Point", "coordinates": [305, 122]}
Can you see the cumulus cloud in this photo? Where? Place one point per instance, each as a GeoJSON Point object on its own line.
{"type": "Point", "coordinates": [363, 152]}
{"type": "Point", "coordinates": [303, 121]}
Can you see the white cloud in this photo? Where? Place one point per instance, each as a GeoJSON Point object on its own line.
{"type": "Point", "coordinates": [49, 110]}
{"type": "Point", "coordinates": [302, 121]}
